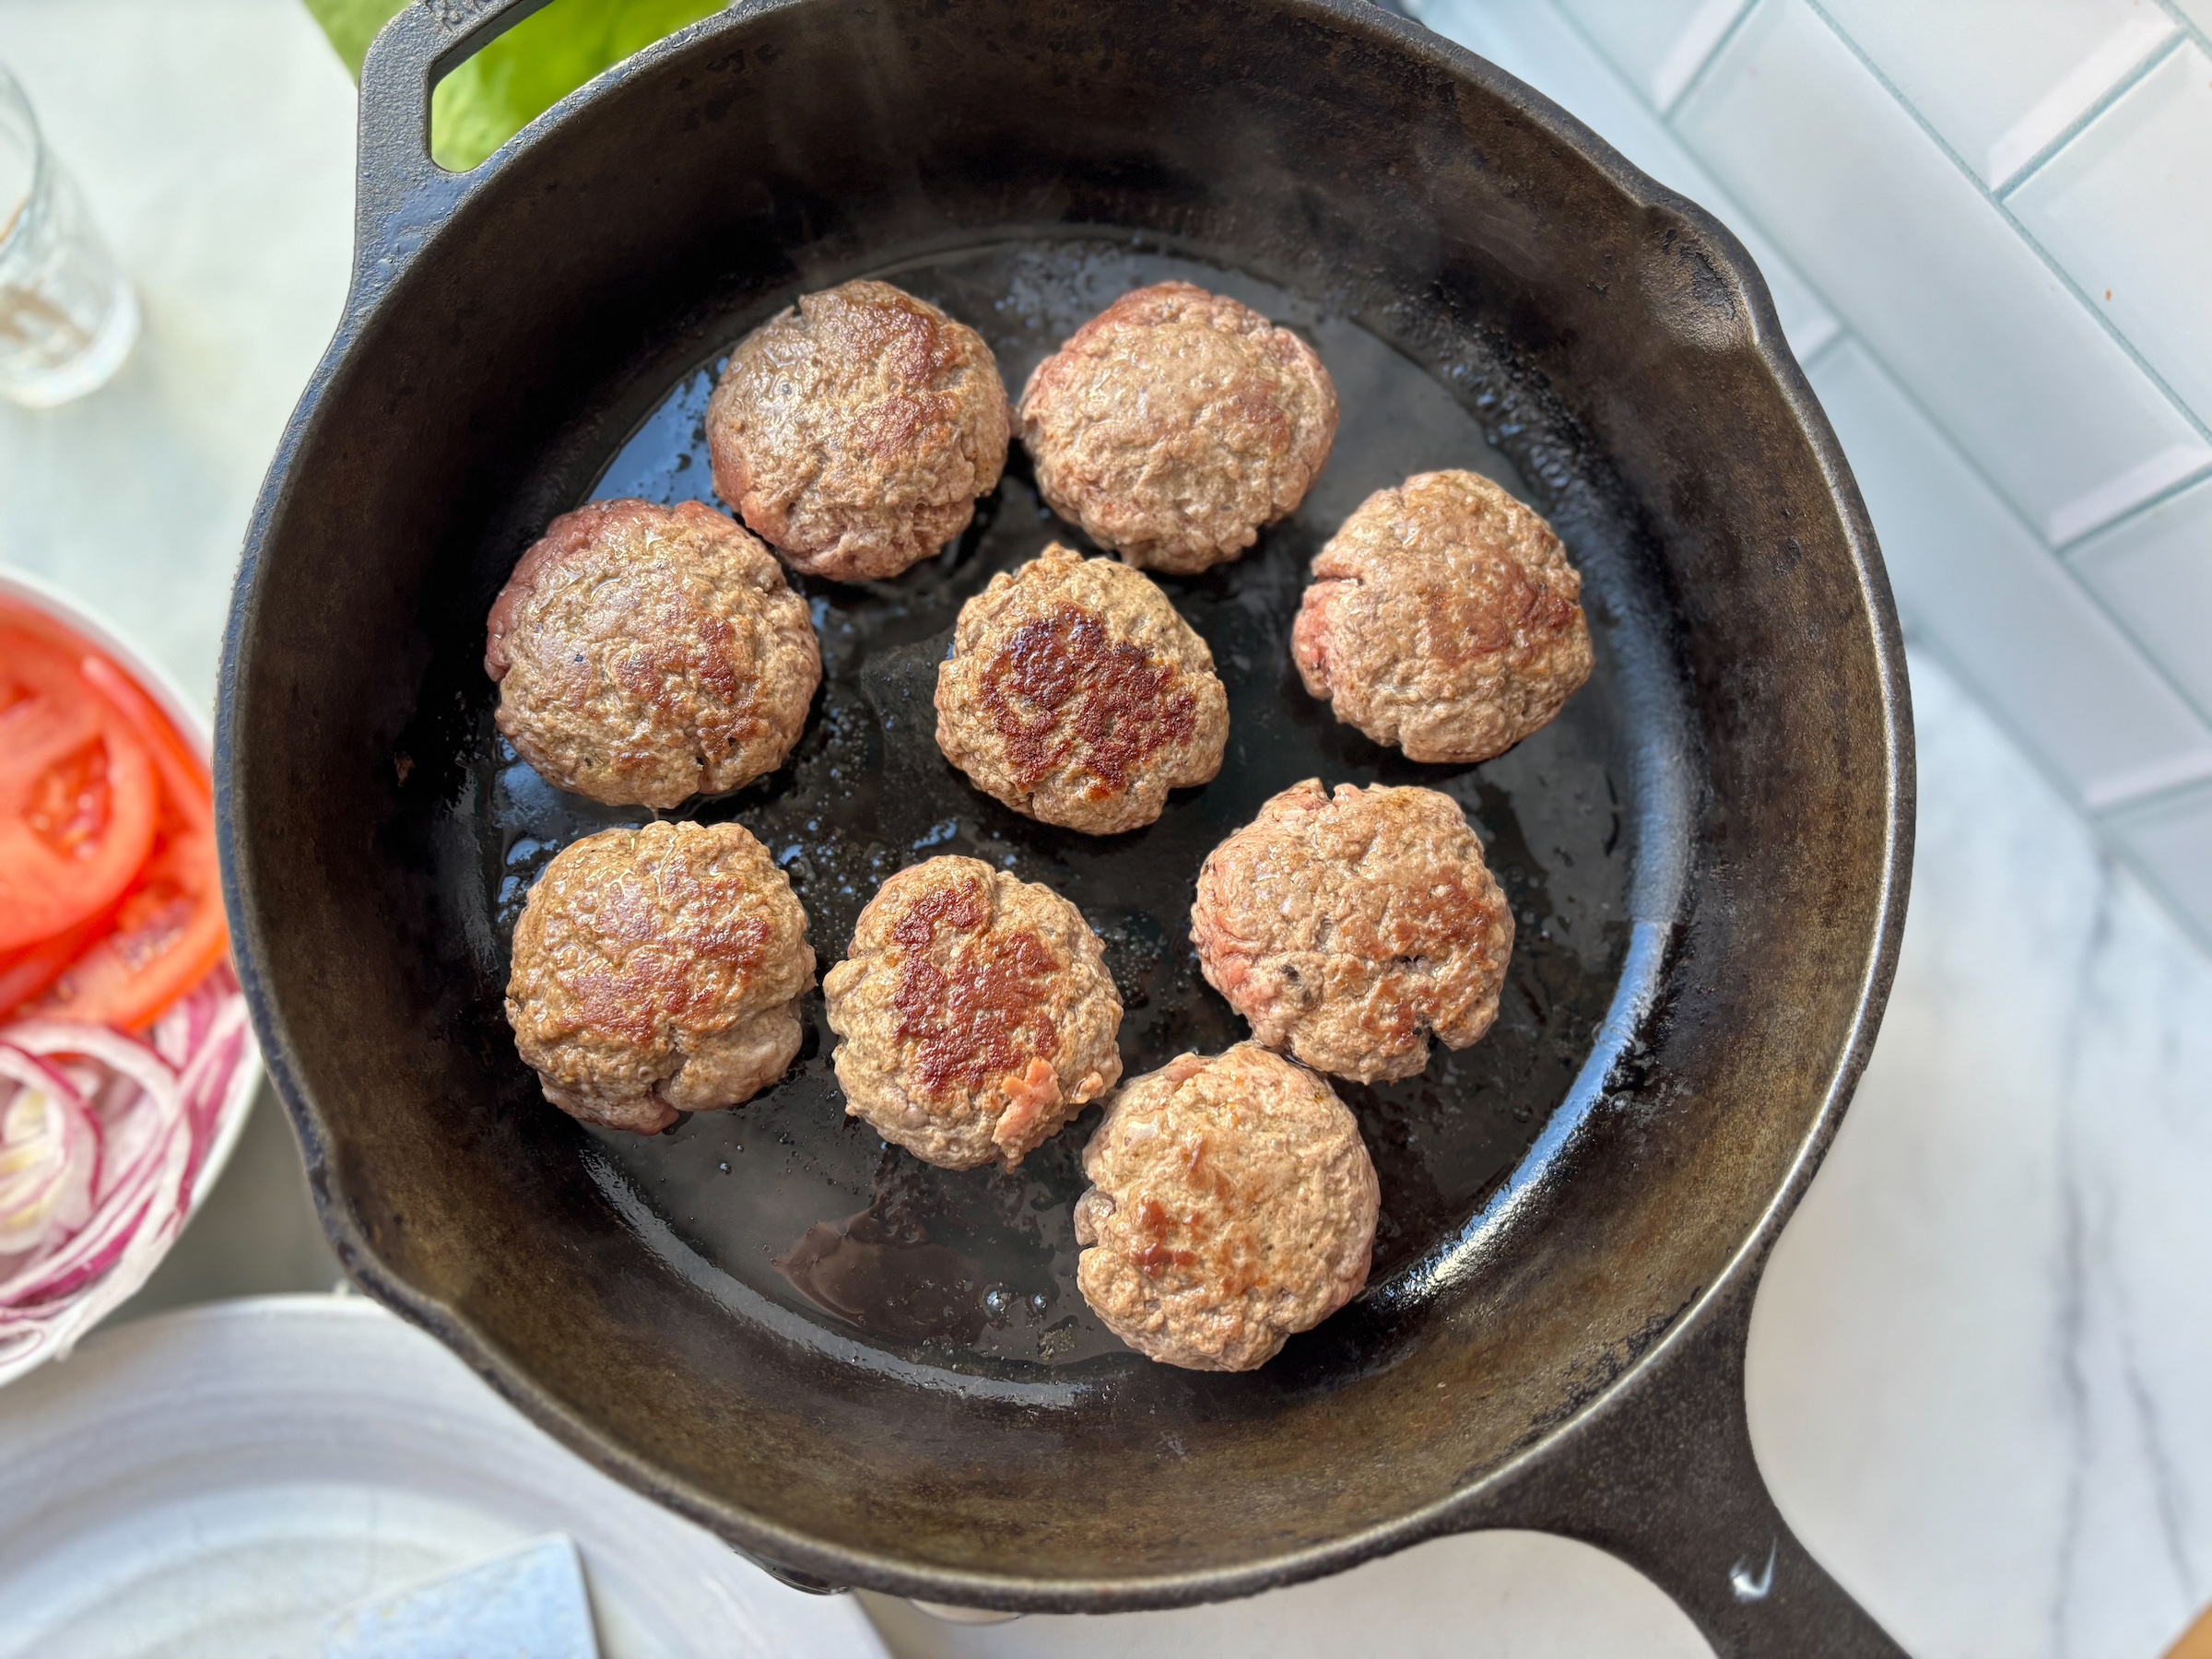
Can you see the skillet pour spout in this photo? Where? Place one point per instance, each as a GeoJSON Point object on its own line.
{"type": "Point", "coordinates": [1708, 852]}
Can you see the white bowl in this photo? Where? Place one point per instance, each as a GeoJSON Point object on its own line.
{"type": "Point", "coordinates": [230, 1121]}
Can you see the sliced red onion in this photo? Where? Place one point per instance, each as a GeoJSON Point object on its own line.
{"type": "Point", "coordinates": [149, 1195]}
{"type": "Point", "coordinates": [89, 1253]}
{"type": "Point", "coordinates": [171, 1034]}
{"type": "Point", "coordinates": [205, 1084]}
{"type": "Point", "coordinates": [150, 1110]}
{"type": "Point", "coordinates": [49, 1155]}
{"type": "Point", "coordinates": [118, 1053]}
{"type": "Point", "coordinates": [144, 1128]}
{"type": "Point", "coordinates": [181, 1033]}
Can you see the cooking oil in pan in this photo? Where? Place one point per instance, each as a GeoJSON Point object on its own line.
{"type": "Point", "coordinates": [975, 1270]}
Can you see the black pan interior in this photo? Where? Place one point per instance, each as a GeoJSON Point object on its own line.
{"type": "Point", "coordinates": [1699, 848]}
{"type": "Point", "coordinates": [975, 1270]}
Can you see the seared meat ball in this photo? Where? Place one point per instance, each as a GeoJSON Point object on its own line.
{"type": "Point", "coordinates": [646, 655]}
{"type": "Point", "coordinates": [1076, 694]}
{"type": "Point", "coordinates": [1175, 423]}
{"type": "Point", "coordinates": [1349, 930]}
{"type": "Point", "coordinates": [1444, 618]}
{"type": "Point", "coordinates": [1234, 1205]}
{"type": "Point", "coordinates": [855, 431]}
{"type": "Point", "coordinates": [977, 1014]}
{"type": "Point", "coordinates": [658, 970]}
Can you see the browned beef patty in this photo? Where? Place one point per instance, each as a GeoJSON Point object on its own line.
{"type": "Point", "coordinates": [1444, 619]}
{"type": "Point", "coordinates": [1175, 423]}
{"type": "Point", "coordinates": [646, 655]}
{"type": "Point", "coordinates": [1076, 694]}
{"type": "Point", "coordinates": [659, 971]}
{"type": "Point", "coordinates": [976, 1013]}
{"type": "Point", "coordinates": [1232, 1204]}
{"type": "Point", "coordinates": [1349, 930]}
{"type": "Point", "coordinates": [855, 431]}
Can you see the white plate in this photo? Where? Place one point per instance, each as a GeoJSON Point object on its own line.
{"type": "Point", "coordinates": [215, 1482]}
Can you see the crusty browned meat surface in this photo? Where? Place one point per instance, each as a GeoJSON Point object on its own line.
{"type": "Point", "coordinates": [1232, 1204]}
{"type": "Point", "coordinates": [646, 655]}
{"type": "Point", "coordinates": [1076, 694]}
{"type": "Point", "coordinates": [659, 971]}
{"type": "Point", "coordinates": [1349, 930]}
{"type": "Point", "coordinates": [1444, 619]}
{"type": "Point", "coordinates": [855, 431]}
{"type": "Point", "coordinates": [1175, 423]}
{"type": "Point", "coordinates": [976, 1013]}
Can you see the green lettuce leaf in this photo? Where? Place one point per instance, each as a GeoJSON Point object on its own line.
{"type": "Point", "coordinates": [489, 99]}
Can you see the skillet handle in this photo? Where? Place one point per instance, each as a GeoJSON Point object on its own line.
{"type": "Point", "coordinates": [1661, 1476]}
{"type": "Point", "coordinates": [401, 196]}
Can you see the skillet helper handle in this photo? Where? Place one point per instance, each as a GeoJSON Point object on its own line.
{"type": "Point", "coordinates": [401, 194]}
{"type": "Point", "coordinates": [1663, 1477]}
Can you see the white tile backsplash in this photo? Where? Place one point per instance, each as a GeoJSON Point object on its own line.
{"type": "Point", "coordinates": [1658, 44]}
{"type": "Point", "coordinates": [1999, 79]}
{"type": "Point", "coordinates": [1919, 261]}
{"type": "Point", "coordinates": [2171, 839]}
{"type": "Point", "coordinates": [1940, 192]}
{"type": "Point", "coordinates": [2155, 573]}
{"type": "Point", "coordinates": [1538, 44]}
{"type": "Point", "coordinates": [2038, 647]}
{"type": "Point", "coordinates": [2108, 208]}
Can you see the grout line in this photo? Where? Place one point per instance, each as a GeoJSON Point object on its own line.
{"type": "Point", "coordinates": [2145, 783]}
{"type": "Point", "coordinates": [2145, 657]}
{"type": "Point", "coordinates": [2094, 600]}
{"type": "Point", "coordinates": [2100, 825]}
{"type": "Point", "coordinates": [2151, 60]}
{"type": "Point", "coordinates": [1574, 25]}
{"type": "Point", "coordinates": [2065, 280]}
{"type": "Point", "coordinates": [2069, 549]}
{"type": "Point", "coordinates": [1828, 347]}
{"type": "Point", "coordinates": [2000, 716]}
{"type": "Point", "coordinates": [2097, 821]}
{"type": "Point", "coordinates": [1846, 333]}
{"type": "Point", "coordinates": [2129, 80]}
{"type": "Point", "coordinates": [1695, 84]}
{"type": "Point", "coordinates": [2185, 23]}
{"type": "Point", "coordinates": [1670, 66]}
{"type": "Point", "coordinates": [2137, 643]}
{"type": "Point", "coordinates": [2163, 794]}
{"type": "Point", "coordinates": [1821, 342]}
{"type": "Point", "coordinates": [1605, 66]}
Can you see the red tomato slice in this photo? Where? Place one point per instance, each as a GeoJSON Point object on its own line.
{"type": "Point", "coordinates": [77, 792]}
{"type": "Point", "coordinates": [182, 772]}
{"type": "Point", "coordinates": [169, 931]}
{"type": "Point", "coordinates": [26, 972]}
{"type": "Point", "coordinates": [168, 934]}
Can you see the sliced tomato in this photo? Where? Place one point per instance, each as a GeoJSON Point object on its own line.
{"type": "Point", "coordinates": [78, 796]}
{"type": "Point", "coordinates": [169, 931]}
{"type": "Point", "coordinates": [183, 774]}
{"type": "Point", "coordinates": [26, 972]}
{"type": "Point", "coordinates": [169, 934]}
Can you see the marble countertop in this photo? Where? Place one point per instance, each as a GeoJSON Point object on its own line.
{"type": "Point", "coordinates": [1981, 1367]}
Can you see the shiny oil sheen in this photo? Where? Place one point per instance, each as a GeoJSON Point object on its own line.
{"type": "Point", "coordinates": [975, 1270]}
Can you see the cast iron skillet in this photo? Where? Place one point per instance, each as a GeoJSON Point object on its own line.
{"type": "Point", "coordinates": [862, 1371]}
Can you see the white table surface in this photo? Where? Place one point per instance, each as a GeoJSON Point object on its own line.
{"type": "Point", "coordinates": [1980, 1372]}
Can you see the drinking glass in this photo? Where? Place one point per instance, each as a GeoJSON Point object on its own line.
{"type": "Point", "coordinates": [67, 318]}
